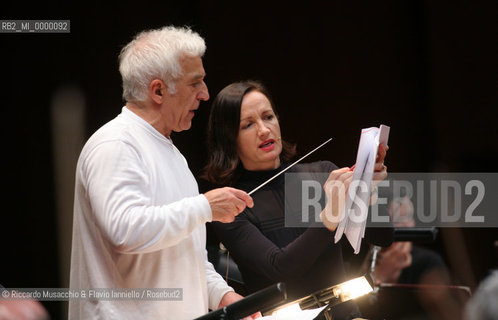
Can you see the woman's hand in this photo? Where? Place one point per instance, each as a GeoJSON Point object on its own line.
{"type": "Point", "coordinates": [337, 185]}
{"type": "Point", "coordinates": [380, 171]}
{"type": "Point", "coordinates": [336, 189]}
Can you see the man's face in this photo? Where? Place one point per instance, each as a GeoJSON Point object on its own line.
{"type": "Point", "coordinates": [190, 90]}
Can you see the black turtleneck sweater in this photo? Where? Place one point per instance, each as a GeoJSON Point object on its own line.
{"type": "Point", "coordinates": [266, 252]}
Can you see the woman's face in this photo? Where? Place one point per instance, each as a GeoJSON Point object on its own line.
{"type": "Point", "coordinates": [259, 143]}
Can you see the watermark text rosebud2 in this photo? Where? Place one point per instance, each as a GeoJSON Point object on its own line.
{"type": "Point", "coordinates": [403, 199]}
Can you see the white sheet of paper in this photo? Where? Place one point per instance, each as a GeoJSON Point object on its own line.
{"type": "Point", "coordinates": [357, 203]}
{"type": "Point", "coordinates": [298, 315]}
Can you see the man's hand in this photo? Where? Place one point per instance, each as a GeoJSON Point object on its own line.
{"type": "Point", "coordinates": [231, 297]}
{"type": "Point", "coordinates": [391, 261]}
{"type": "Point", "coordinates": [226, 203]}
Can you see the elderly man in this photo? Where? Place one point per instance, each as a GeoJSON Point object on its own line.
{"type": "Point", "coordinates": [139, 220]}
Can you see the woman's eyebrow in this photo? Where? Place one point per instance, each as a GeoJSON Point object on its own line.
{"type": "Point", "coordinates": [263, 112]}
{"type": "Point", "coordinates": [246, 118]}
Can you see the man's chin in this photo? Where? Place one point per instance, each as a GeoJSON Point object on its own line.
{"type": "Point", "coordinates": [184, 127]}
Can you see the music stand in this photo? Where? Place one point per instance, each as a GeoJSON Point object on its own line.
{"type": "Point", "coordinates": [267, 298]}
{"type": "Point", "coordinates": [417, 235]}
{"type": "Point", "coordinates": [331, 296]}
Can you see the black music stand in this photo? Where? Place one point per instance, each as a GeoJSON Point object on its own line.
{"type": "Point", "coordinates": [332, 297]}
{"type": "Point", "coordinates": [275, 297]}
{"type": "Point", "coordinates": [267, 298]}
{"type": "Point", "coordinates": [416, 235]}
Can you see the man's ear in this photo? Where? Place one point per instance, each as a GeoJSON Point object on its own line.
{"type": "Point", "coordinates": [157, 91]}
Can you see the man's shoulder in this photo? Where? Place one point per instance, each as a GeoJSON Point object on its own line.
{"type": "Point", "coordinates": [115, 131]}
{"type": "Point", "coordinates": [111, 130]}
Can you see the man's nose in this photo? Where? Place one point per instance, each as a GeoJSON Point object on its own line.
{"type": "Point", "coordinates": [204, 93]}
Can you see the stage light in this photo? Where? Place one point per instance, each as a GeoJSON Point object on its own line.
{"type": "Point", "coordinates": [273, 301]}
{"type": "Point", "coordinates": [352, 289]}
{"type": "Point", "coordinates": [342, 292]}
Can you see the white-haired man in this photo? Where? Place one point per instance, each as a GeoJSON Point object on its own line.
{"type": "Point", "coordinates": [139, 221]}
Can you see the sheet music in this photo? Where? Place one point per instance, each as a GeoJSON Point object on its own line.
{"type": "Point", "coordinates": [358, 200]}
{"type": "Point", "coordinates": [296, 315]}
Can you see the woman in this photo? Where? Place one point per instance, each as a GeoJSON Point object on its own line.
{"type": "Point", "coordinates": [246, 149]}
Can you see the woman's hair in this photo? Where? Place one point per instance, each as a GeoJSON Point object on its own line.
{"type": "Point", "coordinates": [155, 54]}
{"type": "Point", "coordinates": [223, 166]}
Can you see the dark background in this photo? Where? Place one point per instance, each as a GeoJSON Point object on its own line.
{"type": "Point", "coordinates": [426, 68]}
